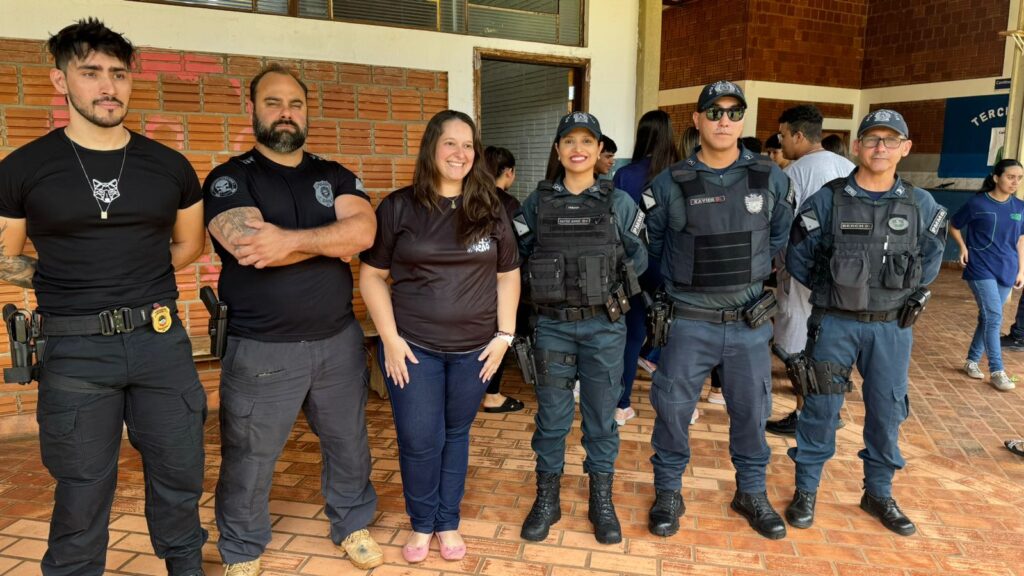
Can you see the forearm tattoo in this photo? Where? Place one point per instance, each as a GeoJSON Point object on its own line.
{"type": "Point", "coordinates": [230, 225]}
{"type": "Point", "coordinates": [17, 270]}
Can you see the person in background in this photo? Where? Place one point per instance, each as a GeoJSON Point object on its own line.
{"type": "Point", "coordinates": [653, 152]}
{"type": "Point", "coordinates": [689, 142]}
{"type": "Point", "coordinates": [773, 148]}
{"type": "Point", "coordinates": [834, 144]}
{"type": "Point", "coordinates": [502, 165]}
{"type": "Point", "coordinates": [992, 255]}
{"type": "Point", "coordinates": [445, 321]}
{"type": "Point", "coordinates": [751, 143]}
{"type": "Point", "coordinates": [580, 238]}
{"type": "Point", "coordinates": [606, 162]}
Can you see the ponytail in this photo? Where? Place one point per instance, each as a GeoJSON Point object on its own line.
{"type": "Point", "coordinates": [990, 181]}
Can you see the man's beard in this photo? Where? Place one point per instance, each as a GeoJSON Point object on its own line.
{"type": "Point", "coordinates": [102, 121]}
{"type": "Point", "coordinates": [281, 141]}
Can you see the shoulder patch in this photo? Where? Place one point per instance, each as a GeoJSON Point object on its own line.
{"type": "Point", "coordinates": [791, 194]}
{"type": "Point", "coordinates": [223, 187]}
{"type": "Point", "coordinates": [809, 221]}
{"type": "Point", "coordinates": [938, 221]}
{"type": "Point", "coordinates": [521, 227]}
{"type": "Point", "coordinates": [359, 185]}
{"type": "Point", "coordinates": [647, 201]}
{"type": "Point", "coordinates": [638, 223]}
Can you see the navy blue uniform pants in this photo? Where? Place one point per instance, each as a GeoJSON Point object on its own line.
{"type": "Point", "coordinates": [89, 388]}
{"type": "Point", "coordinates": [881, 352]}
{"type": "Point", "coordinates": [693, 349]}
{"type": "Point", "coordinates": [597, 344]}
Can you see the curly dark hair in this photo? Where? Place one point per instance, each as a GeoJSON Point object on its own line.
{"type": "Point", "coordinates": [806, 119]}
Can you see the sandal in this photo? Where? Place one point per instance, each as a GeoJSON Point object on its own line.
{"type": "Point", "coordinates": [1015, 446]}
{"type": "Point", "coordinates": [509, 405]}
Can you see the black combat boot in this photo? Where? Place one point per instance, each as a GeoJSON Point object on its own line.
{"type": "Point", "coordinates": [886, 510]}
{"type": "Point", "coordinates": [602, 511]}
{"type": "Point", "coordinates": [758, 511]}
{"type": "Point", "coordinates": [546, 508]}
{"type": "Point", "coordinates": [663, 519]}
{"type": "Point", "coordinates": [800, 512]}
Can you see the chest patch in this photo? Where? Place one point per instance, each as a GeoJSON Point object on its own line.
{"type": "Point", "coordinates": [702, 200]}
{"type": "Point", "coordinates": [754, 203]}
{"type": "Point", "coordinates": [575, 221]}
{"type": "Point", "coordinates": [898, 224]}
{"type": "Point", "coordinates": [856, 227]}
{"type": "Point", "coordinates": [324, 193]}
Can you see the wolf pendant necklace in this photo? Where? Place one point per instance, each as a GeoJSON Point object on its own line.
{"type": "Point", "coordinates": [104, 193]}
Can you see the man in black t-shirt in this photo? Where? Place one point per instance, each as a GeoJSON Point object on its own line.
{"type": "Point", "coordinates": [285, 223]}
{"type": "Point", "coordinates": [112, 214]}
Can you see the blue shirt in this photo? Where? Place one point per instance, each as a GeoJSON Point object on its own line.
{"type": "Point", "coordinates": [993, 229]}
{"type": "Point", "coordinates": [632, 178]}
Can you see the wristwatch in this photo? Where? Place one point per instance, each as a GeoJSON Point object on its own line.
{"type": "Point", "coordinates": [505, 337]}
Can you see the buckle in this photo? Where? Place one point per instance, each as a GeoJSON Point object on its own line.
{"type": "Point", "coordinates": [117, 321]}
{"type": "Point", "coordinates": [731, 315]}
{"type": "Point", "coordinates": [107, 327]}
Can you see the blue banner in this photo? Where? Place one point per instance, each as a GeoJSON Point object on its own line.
{"type": "Point", "coordinates": [973, 137]}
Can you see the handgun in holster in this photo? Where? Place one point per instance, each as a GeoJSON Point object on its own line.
{"type": "Point", "coordinates": [23, 330]}
{"type": "Point", "coordinates": [914, 307]}
{"type": "Point", "coordinates": [761, 310]}
{"type": "Point", "coordinates": [659, 319]}
{"type": "Point", "coordinates": [218, 327]}
{"type": "Point", "coordinates": [522, 348]}
{"type": "Point", "coordinates": [800, 370]}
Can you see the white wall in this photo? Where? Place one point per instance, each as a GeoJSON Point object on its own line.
{"type": "Point", "coordinates": [611, 27]}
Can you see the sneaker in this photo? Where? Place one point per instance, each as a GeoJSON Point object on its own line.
{"type": "Point", "coordinates": [647, 365]}
{"type": "Point", "coordinates": [695, 416]}
{"type": "Point", "coordinates": [576, 392]}
{"type": "Point", "coordinates": [362, 551]}
{"type": "Point", "coordinates": [1010, 344]}
{"type": "Point", "coordinates": [972, 370]}
{"type": "Point", "coordinates": [1000, 381]}
{"type": "Point", "coordinates": [715, 396]}
{"type": "Point", "coordinates": [622, 415]}
{"type": "Point", "coordinates": [250, 568]}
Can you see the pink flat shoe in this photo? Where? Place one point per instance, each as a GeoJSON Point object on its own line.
{"type": "Point", "coordinates": [416, 554]}
{"type": "Point", "coordinates": [451, 553]}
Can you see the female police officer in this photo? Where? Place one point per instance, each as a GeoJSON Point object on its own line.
{"type": "Point", "coordinates": [580, 239]}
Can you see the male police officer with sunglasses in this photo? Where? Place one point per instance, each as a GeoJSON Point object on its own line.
{"type": "Point", "coordinates": [714, 222]}
{"type": "Point", "coordinates": [866, 245]}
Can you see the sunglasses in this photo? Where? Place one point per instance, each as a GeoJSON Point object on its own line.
{"type": "Point", "coordinates": [715, 113]}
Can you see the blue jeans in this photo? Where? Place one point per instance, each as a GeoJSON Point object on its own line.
{"type": "Point", "coordinates": [636, 333]}
{"type": "Point", "coordinates": [990, 296]}
{"type": "Point", "coordinates": [433, 414]}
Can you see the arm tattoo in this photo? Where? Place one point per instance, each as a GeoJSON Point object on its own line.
{"type": "Point", "coordinates": [17, 270]}
{"type": "Point", "coordinates": [230, 225]}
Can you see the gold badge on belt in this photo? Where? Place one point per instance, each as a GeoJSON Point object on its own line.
{"type": "Point", "coordinates": [161, 317]}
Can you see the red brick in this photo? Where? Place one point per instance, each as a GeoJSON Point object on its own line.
{"type": "Point", "coordinates": [37, 90]}
{"type": "Point", "coordinates": [206, 132]}
{"type": "Point", "coordinates": [372, 103]}
{"type": "Point", "coordinates": [434, 102]}
{"type": "Point", "coordinates": [244, 66]}
{"type": "Point", "coordinates": [180, 95]}
{"type": "Point", "coordinates": [386, 76]}
{"type": "Point", "coordinates": [27, 51]}
{"type": "Point", "coordinates": [322, 136]}
{"type": "Point", "coordinates": [223, 95]}
{"type": "Point", "coordinates": [355, 137]}
{"type": "Point", "coordinates": [388, 138]}
{"type": "Point", "coordinates": [168, 130]}
{"type": "Point", "coordinates": [339, 101]}
{"type": "Point", "coordinates": [204, 63]}
{"type": "Point", "coordinates": [377, 172]}
{"type": "Point", "coordinates": [354, 73]}
{"type": "Point", "coordinates": [323, 71]}
{"type": "Point", "coordinates": [25, 125]}
{"type": "Point", "coordinates": [421, 79]}
{"type": "Point", "coordinates": [926, 119]}
{"type": "Point", "coordinates": [406, 104]}
{"type": "Point", "coordinates": [160, 62]}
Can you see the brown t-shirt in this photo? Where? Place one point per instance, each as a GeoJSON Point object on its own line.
{"type": "Point", "coordinates": [444, 293]}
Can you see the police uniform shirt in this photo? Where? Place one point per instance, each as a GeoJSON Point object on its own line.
{"type": "Point", "coordinates": [628, 219]}
{"type": "Point", "coordinates": [444, 293]}
{"type": "Point", "coordinates": [307, 300]}
{"type": "Point", "coordinates": [816, 215]}
{"type": "Point", "coordinates": [667, 210]}
{"type": "Point", "coordinates": [88, 264]}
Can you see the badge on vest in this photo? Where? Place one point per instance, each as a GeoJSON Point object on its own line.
{"type": "Point", "coordinates": [701, 200]}
{"type": "Point", "coordinates": [899, 224]}
{"type": "Point", "coordinates": [754, 203]}
{"type": "Point", "coordinates": [856, 227]}
{"type": "Point", "coordinates": [575, 221]}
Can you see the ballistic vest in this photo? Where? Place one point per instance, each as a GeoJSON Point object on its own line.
{"type": "Point", "coordinates": [726, 243]}
{"type": "Point", "coordinates": [578, 254]}
{"type": "Point", "coordinates": [873, 261]}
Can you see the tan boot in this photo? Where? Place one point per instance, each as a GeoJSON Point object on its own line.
{"type": "Point", "coordinates": [362, 551]}
{"type": "Point", "coordinates": [250, 568]}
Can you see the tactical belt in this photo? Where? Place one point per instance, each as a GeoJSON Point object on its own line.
{"type": "Point", "coordinates": [107, 323]}
{"type": "Point", "coordinates": [705, 315]}
{"type": "Point", "coordinates": [570, 313]}
{"type": "Point", "coordinates": [880, 316]}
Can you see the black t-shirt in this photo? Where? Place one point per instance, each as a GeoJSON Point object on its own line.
{"type": "Point", "coordinates": [444, 293]}
{"type": "Point", "coordinates": [308, 300]}
{"type": "Point", "coordinates": [88, 264]}
{"type": "Point", "coordinates": [509, 202]}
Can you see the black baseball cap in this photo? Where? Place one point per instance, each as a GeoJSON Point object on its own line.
{"type": "Point", "coordinates": [574, 120]}
{"type": "Point", "coordinates": [712, 92]}
{"type": "Point", "coordinates": [886, 119]}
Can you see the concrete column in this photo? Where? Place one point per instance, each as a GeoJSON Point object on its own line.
{"type": "Point", "coordinates": [648, 61]}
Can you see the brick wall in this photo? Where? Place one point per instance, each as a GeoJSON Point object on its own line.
{"type": "Point", "coordinates": [681, 116]}
{"type": "Point", "coordinates": [769, 110]}
{"type": "Point", "coordinates": [933, 41]}
{"type": "Point", "coordinates": [703, 41]}
{"type": "Point", "coordinates": [926, 119]}
{"type": "Point", "coordinates": [806, 41]}
{"type": "Point", "coordinates": [369, 118]}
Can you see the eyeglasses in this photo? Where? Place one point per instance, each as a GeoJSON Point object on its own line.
{"type": "Point", "coordinates": [890, 142]}
{"type": "Point", "coordinates": [715, 113]}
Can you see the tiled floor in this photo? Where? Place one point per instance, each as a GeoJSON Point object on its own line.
{"type": "Point", "coordinates": [961, 486]}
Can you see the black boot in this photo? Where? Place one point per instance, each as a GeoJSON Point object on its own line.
{"type": "Point", "coordinates": [800, 512]}
{"type": "Point", "coordinates": [886, 510]}
{"type": "Point", "coordinates": [602, 511]}
{"type": "Point", "coordinates": [546, 508]}
{"type": "Point", "coordinates": [785, 426]}
{"type": "Point", "coordinates": [759, 513]}
{"type": "Point", "coordinates": [663, 519]}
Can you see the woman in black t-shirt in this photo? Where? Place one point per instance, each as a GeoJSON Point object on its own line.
{"type": "Point", "coordinates": [445, 321]}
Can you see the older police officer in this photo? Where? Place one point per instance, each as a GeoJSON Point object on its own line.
{"type": "Point", "coordinates": [714, 222]}
{"type": "Point", "coordinates": [865, 245]}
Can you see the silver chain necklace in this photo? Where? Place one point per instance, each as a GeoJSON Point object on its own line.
{"type": "Point", "coordinates": [104, 193]}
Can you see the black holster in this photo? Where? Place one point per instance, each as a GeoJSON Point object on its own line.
{"type": "Point", "coordinates": [542, 358]}
{"type": "Point", "coordinates": [812, 377]}
{"type": "Point", "coordinates": [659, 319]}
{"type": "Point", "coordinates": [761, 310]}
{"type": "Point", "coordinates": [218, 326]}
{"type": "Point", "coordinates": [26, 343]}
{"type": "Point", "coordinates": [914, 307]}
{"type": "Point", "coordinates": [522, 349]}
